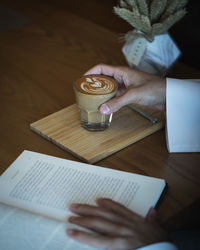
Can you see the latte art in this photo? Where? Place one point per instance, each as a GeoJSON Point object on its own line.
{"type": "Point", "coordinates": [97, 85]}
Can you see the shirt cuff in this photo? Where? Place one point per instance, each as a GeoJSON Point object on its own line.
{"type": "Point", "coordinates": [183, 115]}
{"type": "Point", "coordinates": [159, 246]}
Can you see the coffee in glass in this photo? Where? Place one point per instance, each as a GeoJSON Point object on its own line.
{"type": "Point", "coordinates": [91, 91]}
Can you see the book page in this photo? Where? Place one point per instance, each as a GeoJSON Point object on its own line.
{"type": "Point", "coordinates": [20, 230]}
{"type": "Point", "coordinates": [47, 185]}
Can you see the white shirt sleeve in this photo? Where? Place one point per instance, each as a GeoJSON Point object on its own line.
{"type": "Point", "coordinates": [159, 246]}
{"type": "Point", "coordinates": [183, 115]}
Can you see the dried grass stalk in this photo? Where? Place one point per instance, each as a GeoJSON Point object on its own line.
{"type": "Point", "coordinates": [151, 17]}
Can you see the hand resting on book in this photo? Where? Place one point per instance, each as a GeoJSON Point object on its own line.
{"type": "Point", "coordinates": [115, 226]}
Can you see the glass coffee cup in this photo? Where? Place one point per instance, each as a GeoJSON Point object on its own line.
{"type": "Point", "coordinates": [91, 92]}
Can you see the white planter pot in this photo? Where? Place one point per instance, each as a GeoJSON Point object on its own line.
{"type": "Point", "coordinates": [156, 57]}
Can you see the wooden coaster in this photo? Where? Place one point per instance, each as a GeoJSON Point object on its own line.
{"type": "Point", "coordinates": [63, 128]}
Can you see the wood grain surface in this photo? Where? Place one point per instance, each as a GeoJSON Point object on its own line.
{"type": "Point", "coordinates": [39, 62]}
{"type": "Point", "coordinates": [64, 129]}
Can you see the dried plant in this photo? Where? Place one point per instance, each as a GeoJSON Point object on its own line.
{"type": "Point", "coordinates": [151, 17]}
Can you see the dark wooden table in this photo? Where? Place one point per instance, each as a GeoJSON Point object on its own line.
{"type": "Point", "coordinates": [40, 60]}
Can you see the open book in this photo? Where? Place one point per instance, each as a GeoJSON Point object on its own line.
{"type": "Point", "coordinates": [36, 189]}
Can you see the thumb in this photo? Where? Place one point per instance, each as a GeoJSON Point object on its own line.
{"type": "Point", "coordinates": [117, 102]}
{"type": "Point", "coordinates": [112, 105]}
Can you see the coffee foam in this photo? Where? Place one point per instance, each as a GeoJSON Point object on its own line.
{"type": "Point", "coordinates": [96, 85]}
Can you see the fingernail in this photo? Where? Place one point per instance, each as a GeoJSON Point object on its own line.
{"type": "Point", "coordinates": [73, 206]}
{"type": "Point", "coordinates": [104, 109]}
{"type": "Point", "coordinates": [72, 218]}
{"type": "Point", "coordinates": [98, 199]}
{"type": "Point", "coordinates": [70, 232]}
